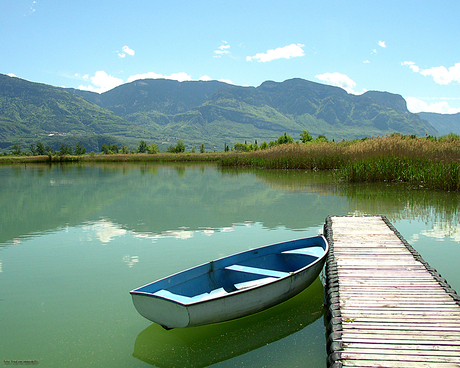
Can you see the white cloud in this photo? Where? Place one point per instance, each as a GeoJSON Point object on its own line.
{"type": "Point", "coordinates": [228, 81]}
{"type": "Point", "coordinates": [79, 76]}
{"type": "Point", "coordinates": [441, 74]}
{"type": "Point", "coordinates": [366, 61]}
{"type": "Point", "coordinates": [382, 44]}
{"type": "Point", "coordinates": [222, 50]}
{"type": "Point", "coordinates": [374, 51]}
{"type": "Point", "coordinates": [286, 52]}
{"type": "Point", "coordinates": [338, 80]}
{"type": "Point", "coordinates": [126, 50]}
{"type": "Point", "coordinates": [102, 82]}
{"type": "Point", "coordinates": [11, 75]}
{"type": "Point", "coordinates": [416, 105]}
{"type": "Point", "coordinates": [411, 65]}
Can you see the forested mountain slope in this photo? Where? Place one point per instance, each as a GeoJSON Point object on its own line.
{"type": "Point", "coordinates": [209, 112]}
{"type": "Point", "coordinates": [444, 123]}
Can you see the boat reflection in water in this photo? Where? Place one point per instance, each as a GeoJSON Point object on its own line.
{"type": "Point", "coordinates": [205, 345]}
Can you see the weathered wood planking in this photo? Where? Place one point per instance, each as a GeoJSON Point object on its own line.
{"type": "Point", "coordinates": [387, 306]}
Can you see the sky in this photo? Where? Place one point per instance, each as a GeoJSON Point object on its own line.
{"type": "Point", "coordinates": [406, 47]}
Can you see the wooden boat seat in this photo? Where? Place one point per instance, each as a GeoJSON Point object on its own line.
{"type": "Point", "coordinates": [309, 251]}
{"type": "Point", "coordinates": [190, 299]}
{"type": "Point", "coordinates": [257, 271]}
{"type": "Point", "coordinates": [254, 283]}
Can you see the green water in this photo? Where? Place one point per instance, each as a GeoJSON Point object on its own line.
{"type": "Point", "coordinates": [74, 240]}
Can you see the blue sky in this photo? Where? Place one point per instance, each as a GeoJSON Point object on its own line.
{"type": "Point", "coordinates": [410, 48]}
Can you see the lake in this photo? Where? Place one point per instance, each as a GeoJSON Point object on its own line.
{"type": "Point", "coordinates": [75, 239]}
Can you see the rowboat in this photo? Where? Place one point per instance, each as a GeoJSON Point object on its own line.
{"type": "Point", "coordinates": [233, 286]}
{"type": "Point", "coordinates": [205, 346]}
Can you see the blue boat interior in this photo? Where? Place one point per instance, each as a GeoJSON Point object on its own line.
{"type": "Point", "coordinates": [228, 275]}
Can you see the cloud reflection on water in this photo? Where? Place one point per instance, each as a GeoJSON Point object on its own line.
{"type": "Point", "coordinates": [105, 230]}
{"type": "Point", "coordinates": [443, 230]}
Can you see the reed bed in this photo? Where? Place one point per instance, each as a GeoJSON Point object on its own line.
{"type": "Point", "coordinates": [320, 155]}
{"type": "Point", "coordinates": [433, 163]}
{"type": "Point", "coordinates": [427, 162]}
{"type": "Point", "coordinates": [419, 171]}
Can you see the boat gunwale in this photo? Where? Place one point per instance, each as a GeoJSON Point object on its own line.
{"type": "Point", "coordinates": [238, 291]}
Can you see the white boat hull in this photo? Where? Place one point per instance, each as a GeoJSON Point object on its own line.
{"type": "Point", "coordinates": [173, 311]}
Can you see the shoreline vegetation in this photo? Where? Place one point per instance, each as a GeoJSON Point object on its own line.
{"type": "Point", "coordinates": [427, 162]}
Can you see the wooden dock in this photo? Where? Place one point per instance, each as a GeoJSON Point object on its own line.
{"type": "Point", "coordinates": [387, 307]}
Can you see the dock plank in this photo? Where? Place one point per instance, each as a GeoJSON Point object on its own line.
{"type": "Point", "coordinates": [387, 307]}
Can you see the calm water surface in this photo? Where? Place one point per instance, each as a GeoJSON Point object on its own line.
{"type": "Point", "coordinates": [74, 239]}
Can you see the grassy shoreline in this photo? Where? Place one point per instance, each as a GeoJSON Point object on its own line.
{"type": "Point", "coordinates": [430, 163]}
{"type": "Point", "coordinates": [427, 162]}
{"type": "Point", "coordinates": [138, 157]}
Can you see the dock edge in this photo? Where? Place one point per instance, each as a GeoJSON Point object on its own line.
{"type": "Point", "coordinates": [333, 319]}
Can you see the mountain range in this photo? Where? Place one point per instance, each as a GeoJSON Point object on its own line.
{"type": "Point", "coordinates": [210, 112]}
{"type": "Point", "coordinates": [444, 123]}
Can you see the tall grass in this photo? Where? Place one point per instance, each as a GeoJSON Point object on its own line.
{"type": "Point", "coordinates": [433, 163]}
{"type": "Point", "coordinates": [427, 162]}
{"type": "Point", "coordinates": [420, 171]}
{"type": "Point", "coordinates": [320, 155]}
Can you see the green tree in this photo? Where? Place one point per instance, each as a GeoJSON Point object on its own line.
{"type": "Point", "coordinates": [17, 150]}
{"type": "Point", "coordinates": [321, 138]}
{"type": "Point", "coordinates": [32, 149]}
{"type": "Point", "coordinates": [202, 150]}
{"type": "Point", "coordinates": [241, 147]}
{"type": "Point", "coordinates": [142, 147]}
{"type": "Point", "coordinates": [105, 149]}
{"type": "Point", "coordinates": [284, 139]}
{"type": "Point", "coordinates": [152, 149]}
{"type": "Point", "coordinates": [180, 146]}
{"type": "Point", "coordinates": [124, 150]}
{"type": "Point", "coordinates": [40, 149]}
{"type": "Point", "coordinates": [80, 149]}
{"type": "Point", "coordinates": [305, 136]}
{"type": "Point", "coordinates": [65, 150]}
{"type": "Point", "coordinates": [264, 146]}
{"type": "Point", "coordinates": [113, 148]}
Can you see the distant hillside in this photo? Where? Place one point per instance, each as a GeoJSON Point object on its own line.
{"type": "Point", "coordinates": [212, 112]}
{"type": "Point", "coordinates": [162, 95]}
{"type": "Point", "coordinates": [444, 123]}
{"type": "Point", "coordinates": [220, 113]}
{"type": "Point", "coordinates": [31, 112]}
